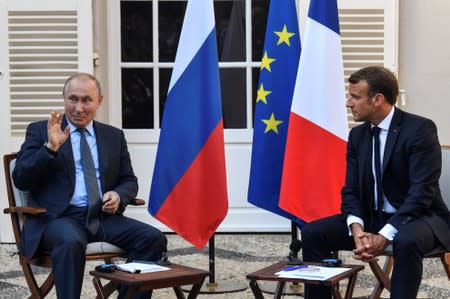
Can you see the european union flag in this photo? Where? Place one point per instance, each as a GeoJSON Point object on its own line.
{"type": "Point", "coordinates": [273, 105]}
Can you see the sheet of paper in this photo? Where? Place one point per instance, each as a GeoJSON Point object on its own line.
{"type": "Point", "coordinates": [135, 267]}
{"type": "Point", "coordinates": [312, 272]}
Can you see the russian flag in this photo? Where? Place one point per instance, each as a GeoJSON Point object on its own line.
{"type": "Point", "coordinates": [189, 191]}
{"type": "Point", "coordinates": [314, 163]}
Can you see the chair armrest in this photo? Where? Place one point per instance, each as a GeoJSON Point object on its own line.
{"type": "Point", "coordinates": [137, 202]}
{"type": "Point", "coordinates": [25, 210]}
{"type": "Point", "coordinates": [447, 258]}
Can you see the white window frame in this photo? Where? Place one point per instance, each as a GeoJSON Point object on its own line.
{"type": "Point", "coordinates": [231, 135]}
{"type": "Point", "coordinates": [114, 63]}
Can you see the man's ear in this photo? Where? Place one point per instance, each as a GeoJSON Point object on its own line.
{"type": "Point", "coordinates": [379, 99]}
{"type": "Point", "coordinates": [100, 99]}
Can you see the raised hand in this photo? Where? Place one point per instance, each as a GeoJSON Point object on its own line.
{"type": "Point", "coordinates": [56, 136]}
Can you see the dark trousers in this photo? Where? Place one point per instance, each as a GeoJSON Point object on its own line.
{"type": "Point", "coordinates": [413, 240]}
{"type": "Point", "coordinates": [66, 239]}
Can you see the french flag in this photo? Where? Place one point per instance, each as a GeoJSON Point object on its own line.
{"type": "Point", "coordinates": [189, 190]}
{"type": "Point", "coordinates": [314, 163]}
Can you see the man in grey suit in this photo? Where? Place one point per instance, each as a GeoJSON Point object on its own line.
{"type": "Point", "coordinates": [401, 204]}
{"type": "Point", "coordinates": [49, 165]}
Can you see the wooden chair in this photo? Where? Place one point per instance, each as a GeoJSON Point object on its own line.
{"type": "Point", "coordinates": [18, 211]}
{"type": "Point", "coordinates": [383, 273]}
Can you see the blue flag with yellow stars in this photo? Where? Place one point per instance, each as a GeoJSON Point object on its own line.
{"type": "Point", "coordinates": [273, 105]}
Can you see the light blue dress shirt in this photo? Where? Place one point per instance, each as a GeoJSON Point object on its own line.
{"type": "Point", "coordinates": [79, 197]}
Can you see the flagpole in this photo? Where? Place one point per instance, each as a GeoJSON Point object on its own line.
{"type": "Point", "coordinates": [212, 263]}
{"type": "Point", "coordinates": [213, 287]}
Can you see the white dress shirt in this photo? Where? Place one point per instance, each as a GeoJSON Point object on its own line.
{"type": "Point", "coordinates": [388, 231]}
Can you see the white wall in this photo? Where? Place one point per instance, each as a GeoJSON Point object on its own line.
{"type": "Point", "coordinates": [424, 60]}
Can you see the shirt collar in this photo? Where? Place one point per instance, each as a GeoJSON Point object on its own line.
{"type": "Point", "coordinates": [386, 122]}
{"type": "Point", "coordinates": [89, 127]}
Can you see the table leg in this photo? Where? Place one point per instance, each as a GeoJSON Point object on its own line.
{"type": "Point", "coordinates": [178, 293]}
{"type": "Point", "coordinates": [255, 289]}
{"type": "Point", "coordinates": [279, 290]}
{"type": "Point", "coordinates": [98, 287]}
{"type": "Point", "coordinates": [350, 286]}
{"type": "Point", "coordinates": [335, 292]}
{"type": "Point", "coordinates": [195, 289]}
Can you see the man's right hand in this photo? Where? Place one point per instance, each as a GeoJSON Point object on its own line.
{"type": "Point", "coordinates": [363, 248]}
{"type": "Point", "coordinates": [56, 136]}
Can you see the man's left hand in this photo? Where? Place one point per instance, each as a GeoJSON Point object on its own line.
{"type": "Point", "coordinates": [111, 202]}
{"type": "Point", "coordinates": [377, 243]}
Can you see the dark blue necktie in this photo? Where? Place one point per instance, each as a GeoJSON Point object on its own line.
{"type": "Point", "coordinates": [90, 180]}
{"type": "Point", "coordinates": [377, 165]}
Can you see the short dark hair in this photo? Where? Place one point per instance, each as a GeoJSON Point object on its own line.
{"type": "Point", "coordinates": [81, 75]}
{"type": "Point", "coordinates": [379, 79]}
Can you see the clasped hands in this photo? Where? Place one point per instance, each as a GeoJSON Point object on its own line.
{"type": "Point", "coordinates": [368, 246]}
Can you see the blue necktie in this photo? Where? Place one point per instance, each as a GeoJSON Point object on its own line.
{"type": "Point", "coordinates": [90, 180]}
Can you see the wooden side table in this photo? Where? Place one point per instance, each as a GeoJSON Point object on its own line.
{"type": "Point", "coordinates": [177, 276]}
{"type": "Point", "coordinates": [268, 274]}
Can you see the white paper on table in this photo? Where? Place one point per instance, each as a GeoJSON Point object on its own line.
{"type": "Point", "coordinates": [135, 267]}
{"type": "Point", "coordinates": [319, 273]}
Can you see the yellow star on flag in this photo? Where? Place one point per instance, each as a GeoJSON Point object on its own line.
{"type": "Point", "coordinates": [284, 36]}
{"type": "Point", "coordinates": [262, 94]}
{"type": "Point", "coordinates": [266, 61]}
{"type": "Point", "coordinates": [272, 124]}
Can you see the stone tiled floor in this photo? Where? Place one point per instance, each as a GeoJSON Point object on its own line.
{"type": "Point", "coordinates": [236, 255]}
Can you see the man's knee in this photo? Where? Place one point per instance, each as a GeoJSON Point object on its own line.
{"type": "Point", "coordinates": [405, 244]}
{"type": "Point", "coordinates": [155, 239]}
{"type": "Point", "coordinates": [160, 241]}
{"type": "Point", "coordinates": [73, 244]}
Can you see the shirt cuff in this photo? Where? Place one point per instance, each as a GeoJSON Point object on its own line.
{"type": "Point", "coordinates": [353, 219]}
{"type": "Point", "coordinates": [388, 231]}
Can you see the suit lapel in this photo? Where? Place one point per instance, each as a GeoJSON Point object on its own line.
{"type": "Point", "coordinates": [394, 130]}
{"type": "Point", "coordinates": [102, 147]}
{"type": "Point", "coordinates": [67, 156]}
{"type": "Point", "coordinates": [366, 154]}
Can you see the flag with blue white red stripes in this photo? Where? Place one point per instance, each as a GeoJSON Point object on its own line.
{"type": "Point", "coordinates": [189, 191]}
{"type": "Point", "coordinates": [314, 162]}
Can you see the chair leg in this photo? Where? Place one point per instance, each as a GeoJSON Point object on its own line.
{"type": "Point", "coordinates": [36, 291]}
{"type": "Point", "coordinates": [108, 260]}
{"type": "Point", "coordinates": [382, 275]}
{"type": "Point", "coordinates": [48, 284]}
{"type": "Point", "coordinates": [445, 258]}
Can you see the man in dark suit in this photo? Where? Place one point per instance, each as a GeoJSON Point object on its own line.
{"type": "Point", "coordinates": [49, 165]}
{"type": "Point", "coordinates": [410, 212]}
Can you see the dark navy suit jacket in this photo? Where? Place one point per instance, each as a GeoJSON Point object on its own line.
{"type": "Point", "coordinates": [51, 179]}
{"type": "Point", "coordinates": [410, 174]}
